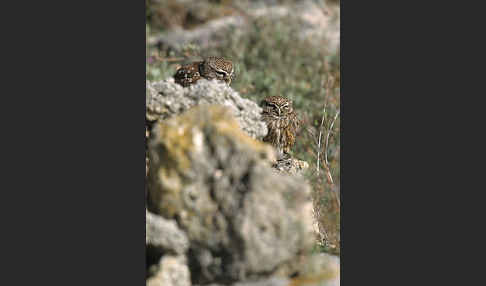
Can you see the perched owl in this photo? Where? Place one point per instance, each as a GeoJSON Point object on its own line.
{"type": "Point", "coordinates": [282, 123]}
{"type": "Point", "coordinates": [188, 74]}
{"type": "Point", "coordinates": [210, 68]}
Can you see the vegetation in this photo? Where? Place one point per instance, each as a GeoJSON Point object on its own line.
{"type": "Point", "coordinates": [273, 59]}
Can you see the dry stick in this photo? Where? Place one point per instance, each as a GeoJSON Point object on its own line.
{"type": "Point", "coordinates": [322, 123]}
{"type": "Point", "coordinates": [330, 130]}
{"type": "Point", "coordinates": [319, 143]}
{"type": "Point", "coordinates": [328, 173]}
{"type": "Point", "coordinates": [327, 163]}
{"type": "Point", "coordinates": [322, 229]}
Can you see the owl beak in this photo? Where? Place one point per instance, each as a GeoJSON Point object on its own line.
{"type": "Point", "coordinates": [278, 111]}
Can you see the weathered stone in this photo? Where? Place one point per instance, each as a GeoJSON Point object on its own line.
{"type": "Point", "coordinates": [272, 281]}
{"type": "Point", "coordinates": [166, 99]}
{"type": "Point", "coordinates": [164, 235]}
{"type": "Point", "coordinates": [172, 271]}
{"type": "Point", "coordinates": [243, 219]}
{"type": "Point", "coordinates": [319, 269]}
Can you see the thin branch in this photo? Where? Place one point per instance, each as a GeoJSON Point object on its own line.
{"type": "Point", "coordinates": [327, 87]}
{"type": "Point", "coordinates": [328, 173]}
{"type": "Point", "coordinates": [319, 143]}
{"type": "Point", "coordinates": [328, 133]}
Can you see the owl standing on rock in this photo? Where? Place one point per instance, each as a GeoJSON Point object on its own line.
{"type": "Point", "coordinates": [211, 68]}
{"type": "Point", "coordinates": [282, 123]}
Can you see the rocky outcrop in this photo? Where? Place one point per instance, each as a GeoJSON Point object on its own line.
{"type": "Point", "coordinates": [314, 270]}
{"type": "Point", "coordinates": [243, 219]}
{"type": "Point", "coordinates": [221, 209]}
{"type": "Point", "coordinates": [171, 271]}
{"type": "Point", "coordinates": [166, 99]}
{"type": "Point", "coordinates": [164, 236]}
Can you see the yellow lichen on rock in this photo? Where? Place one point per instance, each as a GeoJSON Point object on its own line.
{"type": "Point", "coordinates": [219, 185]}
{"type": "Point", "coordinates": [177, 143]}
{"type": "Point", "coordinates": [183, 133]}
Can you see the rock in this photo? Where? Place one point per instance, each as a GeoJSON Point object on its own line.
{"type": "Point", "coordinates": [242, 218]}
{"type": "Point", "coordinates": [172, 271]}
{"type": "Point", "coordinates": [272, 281]}
{"type": "Point", "coordinates": [166, 99]}
{"type": "Point", "coordinates": [319, 269]}
{"type": "Point", "coordinates": [164, 236]}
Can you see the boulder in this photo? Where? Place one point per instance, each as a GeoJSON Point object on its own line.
{"type": "Point", "coordinates": [242, 218]}
{"type": "Point", "coordinates": [166, 99]}
{"type": "Point", "coordinates": [172, 271]}
{"type": "Point", "coordinates": [164, 236]}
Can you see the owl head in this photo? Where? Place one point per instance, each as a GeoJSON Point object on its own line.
{"type": "Point", "coordinates": [276, 106]}
{"type": "Point", "coordinates": [218, 68]}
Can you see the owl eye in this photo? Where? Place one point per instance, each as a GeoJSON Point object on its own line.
{"type": "Point", "coordinates": [221, 74]}
{"type": "Point", "coordinates": [268, 104]}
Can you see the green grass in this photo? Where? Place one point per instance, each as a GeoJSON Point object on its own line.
{"type": "Point", "coordinates": [271, 59]}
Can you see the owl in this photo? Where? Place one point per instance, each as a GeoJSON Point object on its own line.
{"type": "Point", "coordinates": [282, 123]}
{"type": "Point", "coordinates": [188, 74]}
{"type": "Point", "coordinates": [211, 68]}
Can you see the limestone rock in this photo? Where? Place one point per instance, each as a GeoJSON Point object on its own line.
{"type": "Point", "coordinates": [242, 218]}
{"type": "Point", "coordinates": [320, 269]}
{"type": "Point", "coordinates": [164, 235]}
{"type": "Point", "coordinates": [166, 99]}
{"type": "Point", "coordinates": [172, 271]}
{"type": "Point", "coordinates": [272, 281]}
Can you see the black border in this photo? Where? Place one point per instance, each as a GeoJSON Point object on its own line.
{"type": "Point", "coordinates": [74, 124]}
{"type": "Point", "coordinates": [408, 113]}
{"type": "Point", "coordinates": [73, 95]}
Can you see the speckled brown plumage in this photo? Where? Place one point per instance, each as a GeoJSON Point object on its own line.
{"type": "Point", "coordinates": [188, 74]}
{"type": "Point", "coordinates": [282, 123]}
{"type": "Point", "coordinates": [211, 68]}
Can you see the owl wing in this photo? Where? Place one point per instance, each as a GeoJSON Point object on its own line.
{"type": "Point", "coordinates": [297, 124]}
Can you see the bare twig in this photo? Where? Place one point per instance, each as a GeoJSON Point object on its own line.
{"type": "Point", "coordinates": [328, 84]}
{"type": "Point", "coordinates": [319, 143]}
{"type": "Point", "coordinates": [328, 173]}
{"type": "Point", "coordinates": [329, 132]}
